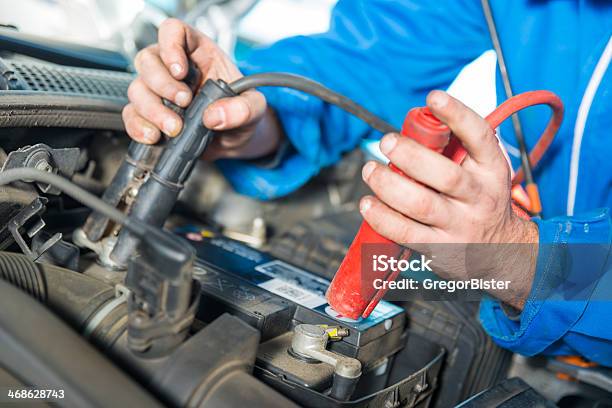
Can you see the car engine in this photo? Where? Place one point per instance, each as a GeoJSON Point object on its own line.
{"type": "Point", "coordinates": [225, 305]}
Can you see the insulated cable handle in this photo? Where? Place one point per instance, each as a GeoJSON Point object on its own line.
{"type": "Point", "coordinates": [351, 292]}
{"type": "Point", "coordinates": [139, 159]}
{"type": "Point", "coordinates": [160, 191]}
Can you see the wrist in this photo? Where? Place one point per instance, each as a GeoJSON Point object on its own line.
{"type": "Point", "coordinates": [521, 263]}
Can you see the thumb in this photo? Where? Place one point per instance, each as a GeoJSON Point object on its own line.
{"type": "Point", "coordinates": [235, 112]}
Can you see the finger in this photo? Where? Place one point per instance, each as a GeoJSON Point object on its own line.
{"type": "Point", "coordinates": [139, 128]}
{"type": "Point", "coordinates": [177, 41]}
{"type": "Point", "coordinates": [393, 225]}
{"type": "Point", "coordinates": [428, 167]}
{"type": "Point", "coordinates": [149, 106]}
{"type": "Point", "coordinates": [156, 76]}
{"type": "Point", "coordinates": [238, 111]}
{"type": "Point", "coordinates": [474, 132]}
{"type": "Point", "coordinates": [406, 196]}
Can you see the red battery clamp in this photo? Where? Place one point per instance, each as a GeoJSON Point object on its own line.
{"type": "Point", "coordinates": [352, 292]}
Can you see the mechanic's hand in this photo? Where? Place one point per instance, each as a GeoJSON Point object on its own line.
{"type": "Point", "coordinates": [162, 66]}
{"type": "Point", "coordinates": [447, 203]}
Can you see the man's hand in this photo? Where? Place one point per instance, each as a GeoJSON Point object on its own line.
{"type": "Point", "coordinates": [250, 128]}
{"type": "Point", "coordinates": [447, 203]}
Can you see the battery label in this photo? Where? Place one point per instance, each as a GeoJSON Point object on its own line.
{"type": "Point", "coordinates": [281, 279]}
{"type": "Point", "coordinates": [289, 273]}
{"type": "Point", "coordinates": [294, 293]}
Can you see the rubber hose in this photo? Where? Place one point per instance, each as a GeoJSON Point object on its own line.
{"type": "Point", "coordinates": [19, 271]}
{"type": "Point", "coordinates": [38, 348]}
{"type": "Point", "coordinates": [525, 100]}
{"type": "Point", "coordinates": [72, 295]}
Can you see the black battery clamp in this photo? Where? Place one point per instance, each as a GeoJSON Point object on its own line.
{"type": "Point", "coordinates": [160, 191]}
{"type": "Point", "coordinates": [151, 178]}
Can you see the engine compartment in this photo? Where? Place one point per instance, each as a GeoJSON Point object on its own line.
{"type": "Point", "coordinates": [253, 326]}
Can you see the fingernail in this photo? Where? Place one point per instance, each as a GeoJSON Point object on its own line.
{"type": "Point", "coordinates": [365, 205]}
{"type": "Point", "coordinates": [182, 98]}
{"type": "Point", "coordinates": [367, 170]}
{"type": "Point", "coordinates": [388, 143]}
{"type": "Point", "coordinates": [215, 118]}
{"type": "Point", "coordinates": [176, 69]}
{"type": "Point", "coordinates": [171, 127]}
{"type": "Point", "coordinates": [148, 134]}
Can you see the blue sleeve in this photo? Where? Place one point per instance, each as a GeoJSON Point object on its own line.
{"type": "Point", "coordinates": [571, 297]}
{"type": "Point", "coordinates": [386, 55]}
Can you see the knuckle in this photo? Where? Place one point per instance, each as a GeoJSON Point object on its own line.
{"type": "Point", "coordinates": [454, 177]}
{"type": "Point", "coordinates": [127, 124]}
{"type": "Point", "coordinates": [125, 112]}
{"type": "Point", "coordinates": [138, 60]}
{"type": "Point", "coordinates": [132, 91]}
{"type": "Point", "coordinates": [376, 178]}
{"type": "Point", "coordinates": [474, 186]}
{"type": "Point", "coordinates": [423, 208]}
{"type": "Point", "coordinates": [167, 89]}
{"type": "Point", "coordinates": [407, 150]}
{"type": "Point", "coordinates": [141, 58]}
{"type": "Point", "coordinates": [404, 234]}
{"type": "Point", "coordinates": [486, 134]}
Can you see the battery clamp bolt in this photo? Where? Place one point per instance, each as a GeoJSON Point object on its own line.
{"type": "Point", "coordinates": [335, 333]}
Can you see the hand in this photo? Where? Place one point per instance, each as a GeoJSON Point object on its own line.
{"type": "Point", "coordinates": [249, 128]}
{"type": "Point", "coordinates": [447, 203]}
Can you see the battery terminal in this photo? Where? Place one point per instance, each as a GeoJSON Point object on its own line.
{"type": "Point", "coordinates": [335, 333]}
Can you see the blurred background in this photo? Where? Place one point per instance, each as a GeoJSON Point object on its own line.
{"type": "Point", "coordinates": [126, 26]}
{"type": "Point", "coordinates": [111, 32]}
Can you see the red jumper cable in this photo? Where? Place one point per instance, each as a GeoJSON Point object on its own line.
{"type": "Point", "coordinates": [352, 292]}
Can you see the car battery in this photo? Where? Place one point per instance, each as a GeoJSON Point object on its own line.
{"type": "Point", "coordinates": [274, 296]}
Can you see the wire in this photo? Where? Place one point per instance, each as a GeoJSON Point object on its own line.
{"type": "Point", "coordinates": [526, 164]}
{"type": "Point", "coordinates": [313, 88]}
{"type": "Point", "coordinates": [84, 197]}
{"type": "Point", "coordinates": [522, 101]}
{"type": "Point", "coordinates": [164, 245]}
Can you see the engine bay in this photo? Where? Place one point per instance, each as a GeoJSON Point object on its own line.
{"type": "Point", "coordinates": [224, 308]}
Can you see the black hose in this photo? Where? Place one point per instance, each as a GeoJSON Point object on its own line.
{"type": "Point", "coordinates": [312, 88]}
{"type": "Point", "coordinates": [39, 349]}
{"type": "Point", "coordinates": [21, 272]}
{"type": "Point", "coordinates": [73, 296]}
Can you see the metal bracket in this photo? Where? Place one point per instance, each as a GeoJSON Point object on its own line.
{"type": "Point", "coordinates": [42, 157]}
{"type": "Point", "coordinates": [30, 214]}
